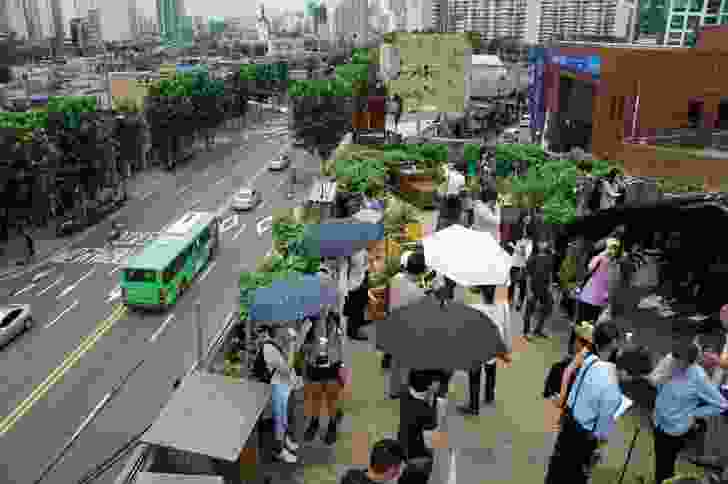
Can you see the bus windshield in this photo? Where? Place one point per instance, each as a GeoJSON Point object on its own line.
{"type": "Point", "coordinates": [140, 275]}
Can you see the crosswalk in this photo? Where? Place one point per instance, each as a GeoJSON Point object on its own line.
{"type": "Point", "coordinates": [98, 255]}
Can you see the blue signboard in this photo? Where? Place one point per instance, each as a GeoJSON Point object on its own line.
{"type": "Point", "coordinates": [580, 64]}
{"type": "Point", "coordinates": [536, 106]}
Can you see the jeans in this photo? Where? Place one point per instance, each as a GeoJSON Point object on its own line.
{"type": "Point", "coordinates": [518, 278]}
{"type": "Point", "coordinates": [544, 299]}
{"type": "Point", "coordinates": [474, 376]}
{"type": "Point", "coordinates": [279, 405]}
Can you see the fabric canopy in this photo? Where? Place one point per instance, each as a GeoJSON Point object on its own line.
{"type": "Point", "coordinates": [292, 299]}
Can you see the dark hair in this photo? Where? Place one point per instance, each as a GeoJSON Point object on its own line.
{"type": "Point", "coordinates": [605, 333]}
{"type": "Point", "coordinates": [686, 351]}
{"type": "Point", "coordinates": [385, 454]}
{"type": "Point", "coordinates": [416, 263]}
{"type": "Point", "coordinates": [420, 380]}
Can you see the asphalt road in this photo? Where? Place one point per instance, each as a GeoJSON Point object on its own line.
{"type": "Point", "coordinates": [85, 341]}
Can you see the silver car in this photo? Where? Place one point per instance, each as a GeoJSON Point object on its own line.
{"type": "Point", "coordinates": [280, 162]}
{"type": "Point", "coordinates": [14, 318]}
{"type": "Point", "coordinates": [246, 199]}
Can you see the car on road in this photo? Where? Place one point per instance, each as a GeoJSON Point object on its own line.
{"type": "Point", "coordinates": [246, 199]}
{"type": "Point", "coordinates": [280, 162]}
{"type": "Point", "coordinates": [511, 135]}
{"type": "Point", "coordinates": [14, 319]}
{"type": "Point", "coordinates": [525, 121]}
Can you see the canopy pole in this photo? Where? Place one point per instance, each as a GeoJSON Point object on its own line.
{"type": "Point", "coordinates": [343, 286]}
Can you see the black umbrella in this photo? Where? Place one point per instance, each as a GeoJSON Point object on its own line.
{"type": "Point", "coordinates": [428, 335]}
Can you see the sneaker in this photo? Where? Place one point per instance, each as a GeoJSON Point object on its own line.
{"type": "Point", "coordinates": [290, 444]}
{"type": "Point", "coordinates": [286, 456]}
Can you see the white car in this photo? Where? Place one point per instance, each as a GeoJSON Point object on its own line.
{"type": "Point", "coordinates": [246, 199]}
{"type": "Point", "coordinates": [14, 319]}
{"type": "Point", "coordinates": [280, 162]}
{"type": "Point", "coordinates": [525, 121]}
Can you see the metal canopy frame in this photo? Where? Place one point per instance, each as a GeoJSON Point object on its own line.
{"type": "Point", "coordinates": [210, 414]}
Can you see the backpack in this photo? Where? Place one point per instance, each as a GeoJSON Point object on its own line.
{"type": "Point", "coordinates": [260, 370]}
{"type": "Point", "coordinates": [552, 386]}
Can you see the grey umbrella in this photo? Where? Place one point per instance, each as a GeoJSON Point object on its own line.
{"type": "Point", "coordinates": [427, 334]}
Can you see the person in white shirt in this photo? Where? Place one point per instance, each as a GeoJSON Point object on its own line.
{"type": "Point", "coordinates": [522, 250]}
{"type": "Point", "coordinates": [282, 380]}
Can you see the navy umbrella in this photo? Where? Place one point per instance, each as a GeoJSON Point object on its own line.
{"type": "Point", "coordinates": [292, 299]}
{"type": "Point", "coordinates": [340, 239]}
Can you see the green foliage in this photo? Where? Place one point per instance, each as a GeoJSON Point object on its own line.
{"type": "Point", "coordinates": [320, 87]}
{"type": "Point", "coordinates": [682, 184]}
{"type": "Point", "coordinates": [396, 219]}
{"type": "Point", "coordinates": [471, 152]}
{"type": "Point", "coordinates": [391, 268]}
{"type": "Point", "coordinates": [360, 56]}
{"type": "Point", "coordinates": [264, 72]}
{"type": "Point", "coordinates": [353, 72]}
{"type": "Point", "coordinates": [567, 272]}
{"type": "Point", "coordinates": [72, 104]}
{"type": "Point", "coordinates": [360, 176]}
{"type": "Point", "coordinates": [506, 154]}
{"type": "Point", "coordinates": [24, 122]}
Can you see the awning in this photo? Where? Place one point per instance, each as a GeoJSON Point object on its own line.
{"type": "Point", "coordinates": [340, 237]}
{"type": "Point", "coordinates": [156, 478]}
{"type": "Point", "coordinates": [211, 415]}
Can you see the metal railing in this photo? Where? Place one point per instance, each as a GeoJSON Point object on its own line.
{"type": "Point", "coordinates": [703, 138]}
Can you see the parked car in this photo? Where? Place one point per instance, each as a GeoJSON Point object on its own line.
{"type": "Point", "coordinates": [511, 135]}
{"type": "Point", "coordinates": [246, 199]}
{"type": "Point", "coordinates": [525, 121]}
{"type": "Point", "coordinates": [14, 319]}
{"type": "Point", "coordinates": [280, 162]}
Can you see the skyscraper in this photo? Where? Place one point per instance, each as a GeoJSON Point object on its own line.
{"type": "Point", "coordinates": [168, 13]}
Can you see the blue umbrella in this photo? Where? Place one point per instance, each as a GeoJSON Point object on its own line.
{"type": "Point", "coordinates": [292, 299]}
{"type": "Point", "coordinates": [340, 239]}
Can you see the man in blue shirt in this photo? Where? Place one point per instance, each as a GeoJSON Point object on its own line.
{"type": "Point", "coordinates": [588, 419]}
{"type": "Point", "coordinates": [684, 394]}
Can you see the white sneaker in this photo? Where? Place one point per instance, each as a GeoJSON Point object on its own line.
{"type": "Point", "coordinates": [286, 456]}
{"type": "Point", "coordinates": [291, 445]}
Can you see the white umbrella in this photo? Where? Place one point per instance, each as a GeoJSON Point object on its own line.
{"type": "Point", "coordinates": [468, 257]}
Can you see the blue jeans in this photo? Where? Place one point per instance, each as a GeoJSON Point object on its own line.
{"type": "Point", "coordinates": [279, 405]}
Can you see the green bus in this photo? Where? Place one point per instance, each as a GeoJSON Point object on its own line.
{"type": "Point", "coordinates": [156, 277]}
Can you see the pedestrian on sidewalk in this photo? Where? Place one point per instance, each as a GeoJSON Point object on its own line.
{"type": "Point", "coordinates": [358, 297]}
{"type": "Point", "coordinates": [539, 270]}
{"type": "Point", "coordinates": [418, 413]}
{"type": "Point", "coordinates": [273, 341]}
{"type": "Point", "coordinates": [387, 462]}
{"type": "Point", "coordinates": [588, 417]}
{"type": "Point", "coordinates": [594, 296]}
{"type": "Point", "coordinates": [30, 245]}
{"type": "Point", "coordinates": [522, 250]}
{"type": "Point", "coordinates": [323, 386]}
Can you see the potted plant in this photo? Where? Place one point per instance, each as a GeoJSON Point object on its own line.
{"type": "Point", "coordinates": [396, 220]}
{"type": "Point", "coordinates": [379, 288]}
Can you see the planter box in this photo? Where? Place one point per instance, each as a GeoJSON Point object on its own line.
{"type": "Point", "coordinates": [378, 311]}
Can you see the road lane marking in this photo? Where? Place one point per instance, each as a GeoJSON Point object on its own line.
{"type": "Point", "coordinates": [42, 275]}
{"type": "Point", "coordinates": [161, 328]}
{"type": "Point", "coordinates": [183, 189]}
{"type": "Point", "coordinates": [265, 220]}
{"type": "Point", "coordinates": [75, 284]}
{"type": "Point", "coordinates": [207, 271]}
{"type": "Point", "coordinates": [114, 270]}
{"type": "Point", "coordinates": [58, 281]}
{"type": "Point", "coordinates": [262, 204]}
{"type": "Point", "coordinates": [25, 289]}
{"type": "Point", "coordinates": [146, 195]}
{"type": "Point", "coordinates": [221, 180]}
{"type": "Point", "coordinates": [73, 305]}
{"type": "Point", "coordinates": [237, 234]}
{"type": "Point", "coordinates": [114, 294]}
{"type": "Point", "coordinates": [194, 204]}
{"type": "Point", "coordinates": [229, 222]}
{"type": "Point", "coordinates": [7, 423]}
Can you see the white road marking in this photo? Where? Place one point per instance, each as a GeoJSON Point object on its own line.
{"type": "Point", "coordinates": [25, 289]}
{"type": "Point", "coordinates": [115, 269]}
{"type": "Point", "coordinates": [75, 284]}
{"type": "Point", "coordinates": [146, 196]}
{"type": "Point", "coordinates": [229, 223]}
{"type": "Point", "coordinates": [183, 189]}
{"type": "Point", "coordinates": [208, 270]}
{"type": "Point", "coordinates": [267, 220]}
{"type": "Point", "coordinates": [114, 294]}
{"type": "Point", "coordinates": [194, 204]}
{"type": "Point", "coordinates": [237, 234]}
{"type": "Point", "coordinates": [58, 281]}
{"type": "Point", "coordinates": [262, 204]}
{"type": "Point", "coordinates": [73, 305]}
{"type": "Point", "coordinates": [42, 275]}
{"type": "Point", "coordinates": [159, 330]}
{"type": "Point", "coordinates": [221, 180]}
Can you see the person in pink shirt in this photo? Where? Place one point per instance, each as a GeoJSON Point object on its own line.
{"type": "Point", "coordinates": [594, 296]}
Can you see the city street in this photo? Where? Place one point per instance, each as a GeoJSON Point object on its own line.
{"type": "Point", "coordinates": [84, 340]}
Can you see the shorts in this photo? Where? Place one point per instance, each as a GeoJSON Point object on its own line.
{"type": "Point", "coordinates": [280, 393]}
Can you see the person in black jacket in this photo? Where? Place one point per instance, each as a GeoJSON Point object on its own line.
{"type": "Point", "coordinates": [386, 463]}
{"type": "Point", "coordinates": [418, 412]}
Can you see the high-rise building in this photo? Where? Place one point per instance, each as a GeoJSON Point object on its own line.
{"type": "Point", "coordinates": [168, 15]}
{"type": "Point", "coordinates": [567, 18]}
{"type": "Point", "coordinates": [440, 18]}
{"type": "Point", "coordinates": [93, 28]}
{"type": "Point", "coordinates": [663, 22]}
{"type": "Point", "coordinates": [118, 19]}
{"type": "Point", "coordinates": [351, 21]}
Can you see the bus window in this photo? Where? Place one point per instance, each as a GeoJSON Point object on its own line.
{"type": "Point", "coordinates": [179, 262]}
{"type": "Point", "coordinates": [140, 275]}
{"type": "Point", "coordinates": [168, 274]}
{"type": "Point", "coordinates": [204, 236]}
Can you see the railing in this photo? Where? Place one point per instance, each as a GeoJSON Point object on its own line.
{"type": "Point", "coordinates": [692, 137]}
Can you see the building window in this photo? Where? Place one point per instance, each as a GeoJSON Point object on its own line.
{"type": "Point", "coordinates": [711, 21]}
{"type": "Point", "coordinates": [675, 36]}
{"type": "Point", "coordinates": [696, 5]}
{"type": "Point", "coordinates": [693, 23]}
{"type": "Point", "coordinates": [677, 22]}
{"type": "Point", "coordinates": [725, 6]}
{"type": "Point", "coordinates": [724, 20]}
{"type": "Point", "coordinates": [679, 5]}
{"type": "Point", "coordinates": [713, 7]}
{"type": "Point", "coordinates": [690, 38]}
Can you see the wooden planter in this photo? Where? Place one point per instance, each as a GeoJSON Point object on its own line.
{"type": "Point", "coordinates": [378, 310]}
